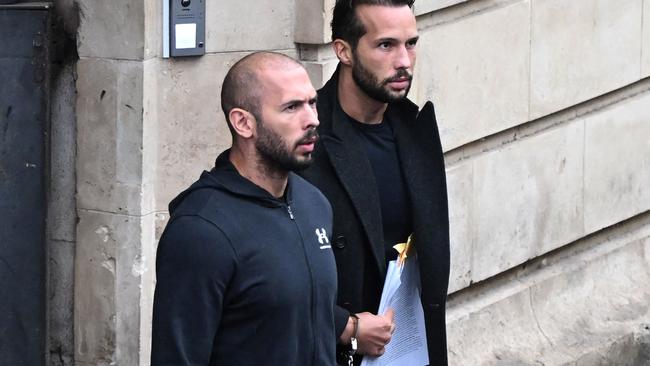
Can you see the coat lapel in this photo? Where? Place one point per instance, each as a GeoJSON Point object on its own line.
{"type": "Point", "coordinates": [416, 143]}
{"type": "Point", "coordinates": [353, 170]}
{"type": "Point", "coordinates": [413, 139]}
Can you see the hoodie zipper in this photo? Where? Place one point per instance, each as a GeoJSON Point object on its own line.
{"type": "Point", "coordinates": [311, 279]}
{"type": "Point", "coordinates": [289, 211]}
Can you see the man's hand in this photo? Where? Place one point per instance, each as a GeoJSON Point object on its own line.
{"type": "Point", "coordinates": [375, 331]}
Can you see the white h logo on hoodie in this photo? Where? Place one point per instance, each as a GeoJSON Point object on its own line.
{"type": "Point", "coordinates": [321, 234]}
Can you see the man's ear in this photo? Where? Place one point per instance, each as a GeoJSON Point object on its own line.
{"type": "Point", "coordinates": [343, 51]}
{"type": "Point", "coordinates": [243, 122]}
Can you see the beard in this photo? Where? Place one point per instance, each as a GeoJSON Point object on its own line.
{"type": "Point", "coordinates": [373, 87]}
{"type": "Point", "coordinates": [276, 155]}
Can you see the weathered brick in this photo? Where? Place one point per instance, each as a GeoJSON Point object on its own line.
{"type": "Point", "coordinates": [320, 71]}
{"type": "Point", "coordinates": [576, 311]}
{"type": "Point", "coordinates": [426, 6]}
{"type": "Point", "coordinates": [111, 268]}
{"type": "Point", "coordinates": [249, 25]}
{"type": "Point", "coordinates": [111, 29]}
{"type": "Point", "coordinates": [582, 49]}
{"type": "Point", "coordinates": [313, 19]}
{"type": "Point", "coordinates": [527, 199]}
{"type": "Point", "coordinates": [153, 28]}
{"type": "Point", "coordinates": [61, 198]}
{"type": "Point", "coordinates": [459, 187]}
{"type": "Point", "coordinates": [617, 163]}
{"type": "Point", "coordinates": [645, 62]}
{"type": "Point", "coordinates": [109, 136]}
{"type": "Point", "coordinates": [475, 70]}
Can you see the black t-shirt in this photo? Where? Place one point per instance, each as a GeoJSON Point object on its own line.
{"type": "Point", "coordinates": [378, 142]}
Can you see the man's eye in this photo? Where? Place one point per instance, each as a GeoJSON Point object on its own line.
{"type": "Point", "coordinates": [291, 107]}
{"type": "Point", "coordinates": [384, 45]}
{"type": "Point", "coordinates": [412, 43]}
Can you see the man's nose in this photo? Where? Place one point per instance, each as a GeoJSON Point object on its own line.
{"type": "Point", "coordinates": [310, 117]}
{"type": "Point", "coordinates": [403, 58]}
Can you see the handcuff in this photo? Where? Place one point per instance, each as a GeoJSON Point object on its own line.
{"type": "Point", "coordinates": [353, 340]}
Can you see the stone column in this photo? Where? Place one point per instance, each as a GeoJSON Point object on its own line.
{"type": "Point", "coordinates": [115, 165]}
{"type": "Point", "coordinates": [312, 33]}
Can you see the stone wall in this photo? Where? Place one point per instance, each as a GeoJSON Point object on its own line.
{"type": "Point", "coordinates": [61, 220]}
{"type": "Point", "coordinates": [543, 111]}
{"type": "Point", "coordinates": [115, 209]}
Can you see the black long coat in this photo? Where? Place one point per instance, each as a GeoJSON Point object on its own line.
{"type": "Point", "coordinates": [343, 173]}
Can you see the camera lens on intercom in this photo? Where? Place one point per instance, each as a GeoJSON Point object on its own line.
{"type": "Point", "coordinates": [185, 3]}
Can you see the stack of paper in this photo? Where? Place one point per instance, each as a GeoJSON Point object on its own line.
{"type": "Point", "coordinates": [408, 346]}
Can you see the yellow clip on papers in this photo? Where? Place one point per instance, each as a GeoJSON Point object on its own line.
{"type": "Point", "coordinates": [403, 249]}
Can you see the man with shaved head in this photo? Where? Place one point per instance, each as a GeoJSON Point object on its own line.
{"type": "Point", "coordinates": [245, 270]}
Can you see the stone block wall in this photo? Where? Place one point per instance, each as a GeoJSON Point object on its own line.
{"type": "Point", "coordinates": [114, 170]}
{"type": "Point", "coordinates": [543, 112]}
{"type": "Point", "coordinates": [61, 220]}
{"type": "Point", "coordinates": [544, 116]}
{"type": "Point", "coordinates": [480, 61]}
{"type": "Point", "coordinates": [645, 62]}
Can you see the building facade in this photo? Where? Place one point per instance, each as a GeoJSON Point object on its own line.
{"type": "Point", "coordinates": [544, 111]}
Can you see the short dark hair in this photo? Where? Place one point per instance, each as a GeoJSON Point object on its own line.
{"type": "Point", "coordinates": [242, 88]}
{"type": "Point", "coordinates": [347, 26]}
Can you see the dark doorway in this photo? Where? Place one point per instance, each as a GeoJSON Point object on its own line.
{"type": "Point", "coordinates": [24, 115]}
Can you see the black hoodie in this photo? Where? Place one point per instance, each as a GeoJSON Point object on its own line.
{"type": "Point", "coordinates": [244, 278]}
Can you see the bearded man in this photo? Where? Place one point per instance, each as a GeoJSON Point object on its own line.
{"type": "Point", "coordinates": [245, 270]}
{"type": "Point", "coordinates": [380, 164]}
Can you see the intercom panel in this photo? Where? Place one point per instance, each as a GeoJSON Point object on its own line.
{"type": "Point", "coordinates": [186, 27]}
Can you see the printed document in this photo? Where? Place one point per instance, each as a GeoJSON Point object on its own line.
{"type": "Point", "coordinates": [408, 346]}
